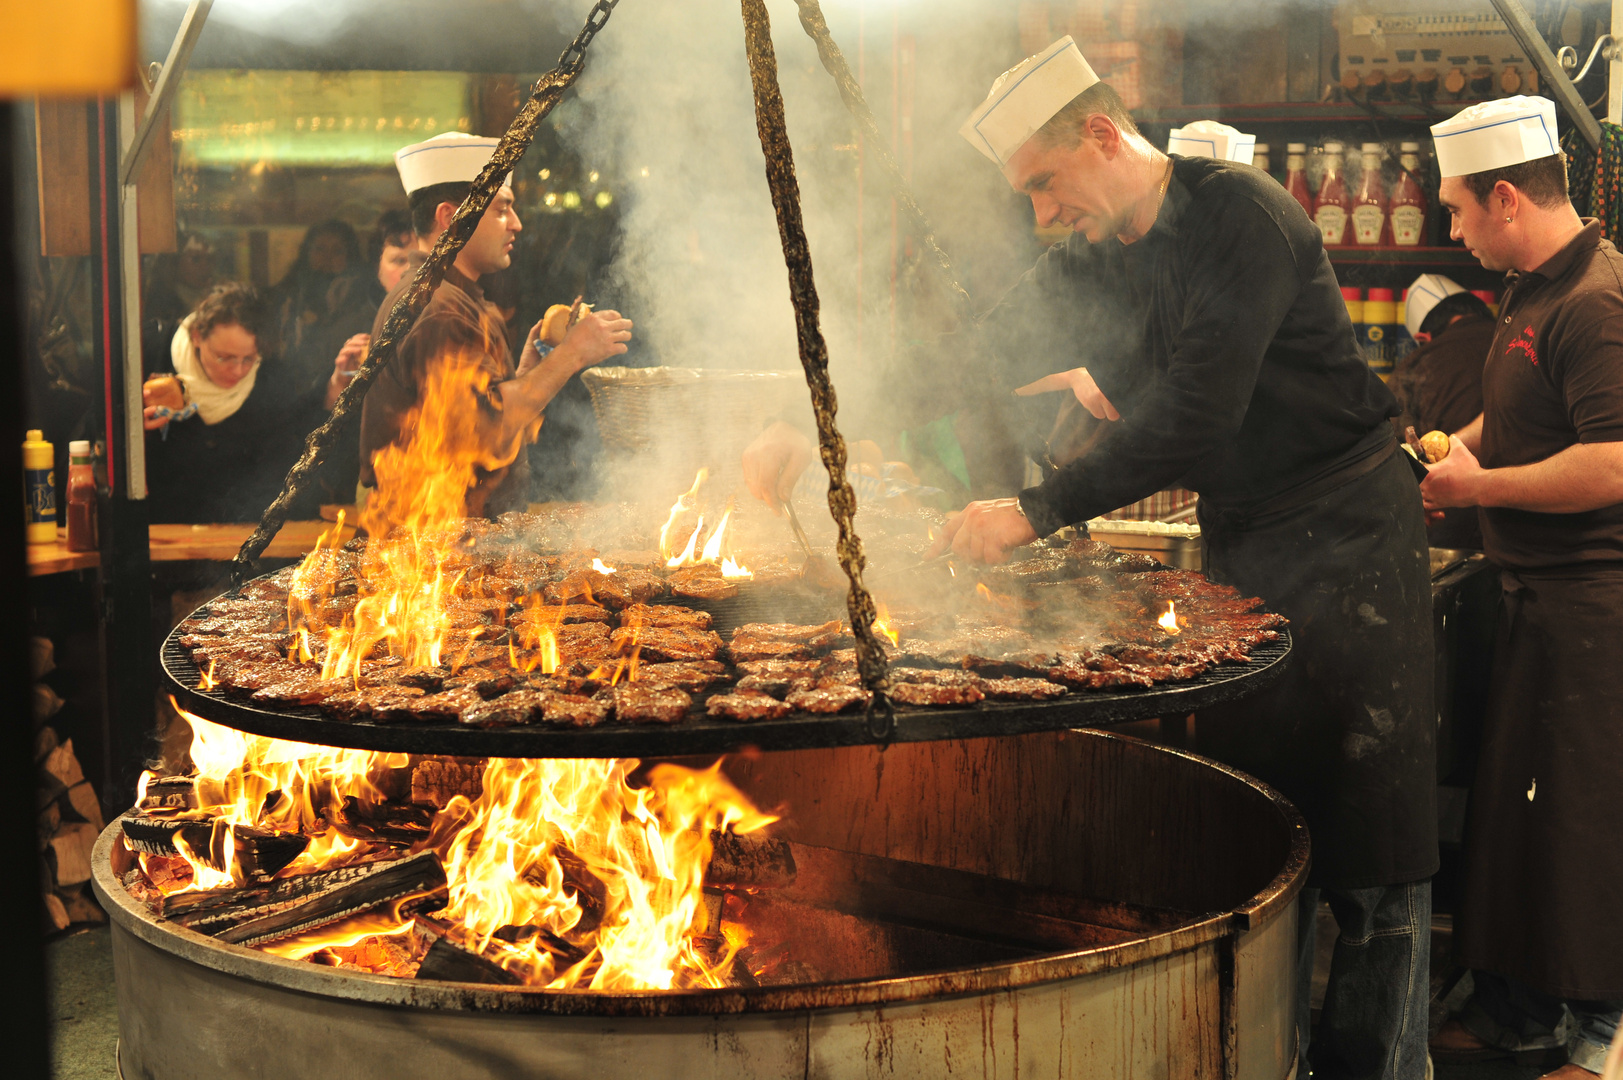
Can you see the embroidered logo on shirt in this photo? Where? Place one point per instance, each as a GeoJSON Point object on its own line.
{"type": "Point", "coordinates": [1524, 344]}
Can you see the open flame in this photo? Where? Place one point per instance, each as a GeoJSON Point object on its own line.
{"type": "Point", "coordinates": [1169, 619]}
{"type": "Point", "coordinates": [601, 567]}
{"type": "Point", "coordinates": [881, 623]}
{"type": "Point", "coordinates": [713, 550]}
{"type": "Point", "coordinates": [569, 847]}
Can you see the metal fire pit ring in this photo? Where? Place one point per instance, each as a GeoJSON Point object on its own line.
{"type": "Point", "coordinates": [1088, 813]}
{"type": "Point", "coordinates": [700, 734]}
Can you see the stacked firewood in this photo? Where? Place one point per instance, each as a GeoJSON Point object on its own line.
{"type": "Point", "coordinates": [69, 818]}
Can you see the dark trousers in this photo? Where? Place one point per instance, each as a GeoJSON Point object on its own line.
{"type": "Point", "coordinates": [1374, 1022]}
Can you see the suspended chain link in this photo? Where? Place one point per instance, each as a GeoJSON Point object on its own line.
{"type": "Point", "coordinates": [574, 56]}
{"type": "Point", "coordinates": [812, 21]}
{"type": "Point", "coordinates": [544, 97]}
{"type": "Point", "coordinates": [842, 502]}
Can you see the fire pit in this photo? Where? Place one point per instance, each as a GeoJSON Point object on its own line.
{"type": "Point", "coordinates": [1127, 909]}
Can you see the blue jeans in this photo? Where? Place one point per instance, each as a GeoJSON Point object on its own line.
{"type": "Point", "coordinates": [1507, 1013]}
{"type": "Point", "coordinates": [1373, 1026]}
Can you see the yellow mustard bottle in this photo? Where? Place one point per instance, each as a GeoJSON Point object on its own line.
{"type": "Point", "coordinates": [39, 481]}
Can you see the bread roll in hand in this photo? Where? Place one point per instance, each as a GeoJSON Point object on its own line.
{"type": "Point", "coordinates": [164, 391]}
{"type": "Point", "coordinates": [1435, 444]}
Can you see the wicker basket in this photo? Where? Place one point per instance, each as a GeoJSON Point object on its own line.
{"type": "Point", "coordinates": [685, 417]}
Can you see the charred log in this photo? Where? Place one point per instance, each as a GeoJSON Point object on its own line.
{"type": "Point", "coordinates": [749, 861]}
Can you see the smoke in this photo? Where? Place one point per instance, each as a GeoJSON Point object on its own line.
{"type": "Point", "coordinates": [666, 103]}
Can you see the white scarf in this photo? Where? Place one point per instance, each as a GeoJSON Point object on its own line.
{"type": "Point", "coordinates": [214, 402]}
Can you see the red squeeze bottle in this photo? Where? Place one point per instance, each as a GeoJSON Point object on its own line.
{"type": "Point", "coordinates": [1333, 205]}
{"type": "Point", "coordinates": [1408, 203]}
{"type": "Point", "coordinates": [1369, 206]}
{"type": "Point", "coordinates": [1296, 175]}
{"type": "Point", "coordinates": [81, 497]}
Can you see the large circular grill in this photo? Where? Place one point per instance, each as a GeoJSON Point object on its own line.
{"type": "Point", "coordinates": [1071, 904]}
{"type": "Point", "coordinates": [700, 734]}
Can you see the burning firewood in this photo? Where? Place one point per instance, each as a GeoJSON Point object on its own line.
{"type": "Point", "coordinates": [288, 906]}
{"type": "Point", "coordinates": [436, 781]}
{"type": "Point", "coordinates": [449, 962]}
{"type": "Point", "coordinates": [749, 861]}
{"type": "Point", "coordinates": [260, 853]}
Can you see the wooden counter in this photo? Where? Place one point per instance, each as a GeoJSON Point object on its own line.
{"type": "Point", "coordinates": [174, 543]}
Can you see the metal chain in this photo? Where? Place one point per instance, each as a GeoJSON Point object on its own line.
{"type": "Point", "coordinates": [842, 502]}
{"type": "Point", "coordinates": [575, 56]}
{"type": "Point", "coordinates": [545, 95]}
{"type": "Point", "coordinates": [812, 21]}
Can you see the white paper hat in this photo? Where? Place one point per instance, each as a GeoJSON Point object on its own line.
{"type": "Point", "coordinates": [1426, 293]}
{"type": "Point", "coordinates": [1026, 97]}
{"type": "Point", "coordinates": [449, 158]}
{"type": "Point", "coordinates": [1495, 134]}
{"type": "Point", "coordinates": [1208, 138]}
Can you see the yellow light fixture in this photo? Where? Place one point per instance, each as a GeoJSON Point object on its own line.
{"type": "Point", "coordinates": [67, 47]}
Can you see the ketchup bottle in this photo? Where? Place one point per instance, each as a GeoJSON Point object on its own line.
{"type": "Point", "coordinates": [1333, 205]}
{"type": "Point", "coordinates": [81, 497]}
{"type": "Point", "coordinates": [1408, 203]}
{"type": "Point", "coordinates": [1296, 175]}
{"type": "Point", "coordinates": [1369, 205]}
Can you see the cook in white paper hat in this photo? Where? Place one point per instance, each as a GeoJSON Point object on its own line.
{"type": "Point", "coordinates": [1065, 138]}
{"type": "Point", "coordinates": [451, 158]}
{"type": "Point", "coordinates": [1496, 134]}
{"type": "Point", "coordinates": [1026, 97]}
{"type": "Point", "coordinates": [1426, 293]}
{"type": "Point", "coordinates": [1208, 138]}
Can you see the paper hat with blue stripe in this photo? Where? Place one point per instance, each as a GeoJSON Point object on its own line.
{"type": "Point", "coordinates": [1026, 97]}
{"type": "Point", "coordinates": [1426, 293]}
{"type": "Point", "coordinates": [1208, 138]}
{"type": "Point", "coordinates": [1495, 134]}
{"type": "Point", "coordinates": [449, 158]}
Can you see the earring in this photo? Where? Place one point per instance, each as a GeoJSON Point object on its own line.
{"type": "Point", "coordinates": [1507, 219]}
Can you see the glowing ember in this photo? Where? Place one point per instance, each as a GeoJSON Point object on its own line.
{"type": "Point", "coordinates": [569, 847]}
{"type": "Point", "coordinates": [597, 564]}
{"type": "Point", "coordinates": [1168, 620]}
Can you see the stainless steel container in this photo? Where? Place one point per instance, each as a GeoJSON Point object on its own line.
{"type": "Point", "coordinates": [1188, 872]}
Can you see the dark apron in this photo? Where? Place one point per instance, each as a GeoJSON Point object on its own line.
{"type": "Point", "coordinates": [1348, 733]}
{"type": "Point", "coordinates": [1544, 839]}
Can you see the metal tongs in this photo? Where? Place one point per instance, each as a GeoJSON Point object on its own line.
{"type": "Point", "coordinates": [794, 526]}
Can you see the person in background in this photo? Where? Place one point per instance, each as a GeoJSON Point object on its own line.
{"type": "Point", "coordinates": [458, 320]}
{"type": "Point", "coordinates": [325, 298]}
{"type": "Point", "coordinates": [1439, 385]}
{"type": "Point", "coordinates": [226, 423]}
{"type": "Point", "coordinates": [393, 241]}
{"type": "Point", "coordinates": [1541, 924]}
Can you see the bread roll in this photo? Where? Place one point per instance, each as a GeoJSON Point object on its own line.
{"type": "Point", "coordinates": [1436, 445]}
{"type": "Point", "coordinates": [165, 391]}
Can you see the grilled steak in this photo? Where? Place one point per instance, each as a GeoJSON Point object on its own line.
{"type": "Point", "coordinates": [827, 700]}
{"type": "Point", "coordinates": [746, 707]}
{"type": "Point", "coordinates": [667, 643]}
{"type": "Point", "coordinates": [639, 703]}
{"type": "Point", "coordinates": [665, 615]}
{"type": "Point", "coordinates": [1021, 689]}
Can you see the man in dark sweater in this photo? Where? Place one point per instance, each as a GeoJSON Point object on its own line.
{"type": "Point", "coordinates": [1194, 308]}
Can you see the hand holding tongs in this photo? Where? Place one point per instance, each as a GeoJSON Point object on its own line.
{"type": "Point", "coordinates": [794, 526]}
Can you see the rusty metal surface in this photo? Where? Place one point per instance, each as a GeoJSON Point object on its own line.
{"type": "Point", "coordinates": [1106, 820]}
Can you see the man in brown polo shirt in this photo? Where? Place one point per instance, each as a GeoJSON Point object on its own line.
{"type": "Point", "coordinates": [459, 325]}
{"type": "Point", "coordinates": [1542, 923]}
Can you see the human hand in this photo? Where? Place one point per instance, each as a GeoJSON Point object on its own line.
{"type": "Point", "coordinates": [596, 337]}
{"type": "Point", "coordinates": [1078, 382]}
{"type": "Point", "coordinates": [773, 463]}
{"type": "Point", "coordinates": [151, 421]}
{"type": "Point", "coordinates": [1454, 481]}
{"type": "Point", "coordinates": [985, 532]}
{"type": "Point", "coordinates": [351, 357]}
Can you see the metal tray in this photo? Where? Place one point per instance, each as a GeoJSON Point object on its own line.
{"type": "Point", "coordinates": [700, 734]}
